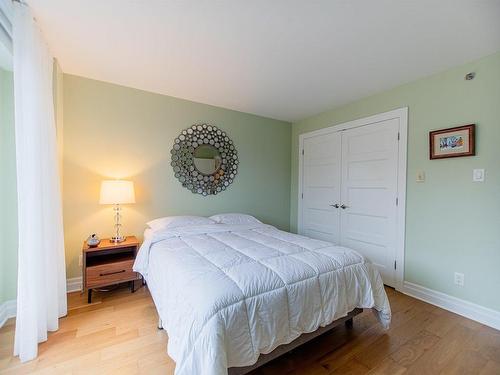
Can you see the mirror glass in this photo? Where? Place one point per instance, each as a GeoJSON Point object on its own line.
{"type": "Point", "coordinates": [207, 159]}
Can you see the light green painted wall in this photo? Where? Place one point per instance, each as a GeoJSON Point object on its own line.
{"type": "Point", "coordinates": [113, 131]}
{"type": "Point", "coordinates": [8, 193]}
{"type": "Point", "coordinates": [452, 223]}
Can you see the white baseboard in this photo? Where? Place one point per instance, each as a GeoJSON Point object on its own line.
{"type": "Point", "coordinates": [74, 284]}
{"type": "Point", "coordinates": [7, 311]}
{"type": "Point", "coordinates": [458, 306]}
{"type": "Point", "coordinates": [8, 308]}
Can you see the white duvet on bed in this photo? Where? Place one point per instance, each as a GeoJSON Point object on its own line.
{"type": "Point", "coordinates": [226, 293]}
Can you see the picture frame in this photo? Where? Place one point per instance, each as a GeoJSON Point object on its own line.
{"type": "Point", "coordinates": [452, 142]}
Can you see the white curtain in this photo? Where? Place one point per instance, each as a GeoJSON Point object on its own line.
{"type": "Point", "coordinates": [41, 296]}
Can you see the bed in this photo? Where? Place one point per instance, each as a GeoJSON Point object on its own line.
{"type": "Point", "coordinates": [228, 293]}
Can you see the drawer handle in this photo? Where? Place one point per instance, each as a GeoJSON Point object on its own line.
{"type": "Point", "coordinates": [111, 273]}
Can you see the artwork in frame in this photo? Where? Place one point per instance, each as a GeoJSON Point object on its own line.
{"type": "Point", "coordinates": [452, 142]}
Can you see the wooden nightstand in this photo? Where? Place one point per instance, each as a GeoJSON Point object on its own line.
{"type": "Point", "coordinates": [109, 264]}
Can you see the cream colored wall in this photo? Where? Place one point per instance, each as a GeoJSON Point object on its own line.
{"type": "Point", "coordinates": [112, 131]}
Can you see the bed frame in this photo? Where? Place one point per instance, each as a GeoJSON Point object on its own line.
{"type": "Point", "coordinates": [302, 339]}
{"type": "Point", "coordinates": [283, 349]}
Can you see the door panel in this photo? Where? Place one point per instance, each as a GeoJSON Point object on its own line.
{"type": "Point", "coordinates": [321, 187]}
{"type": "Point", "coordinates": [369, 190]}
{"type": "Point", "coordinates": [358, 168]}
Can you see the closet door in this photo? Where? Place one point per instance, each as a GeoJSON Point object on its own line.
{"type": "Point", "coordinates": [321, 187]}
{"type": "Point", "coordinates": [369, 192]}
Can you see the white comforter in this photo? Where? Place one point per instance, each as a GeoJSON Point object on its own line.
{"type": "Point", "coordinates": [226, 293]}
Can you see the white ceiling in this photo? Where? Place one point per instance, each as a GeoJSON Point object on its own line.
{"type": "Point", "coordinates": [285, 59]}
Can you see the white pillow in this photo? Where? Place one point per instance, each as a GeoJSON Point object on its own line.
{"type": "Point", "coordinates": [235, 219]}
{"type": "Point", "coordinates": [178, 221]}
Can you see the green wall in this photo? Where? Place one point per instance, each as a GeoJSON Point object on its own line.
{"type": "Point", "coordinates": [452, 223]}
{"type": "Point", "coordinates": [8, 193]}
{"type": "Point", "coordinates": [112, 131]}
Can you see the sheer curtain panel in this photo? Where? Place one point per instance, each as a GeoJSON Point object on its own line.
{"type": "Point", "coordinates": [41, 298]}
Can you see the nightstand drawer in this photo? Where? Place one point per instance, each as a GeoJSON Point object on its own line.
{"type": "Point", "coordinates": [110, 273]}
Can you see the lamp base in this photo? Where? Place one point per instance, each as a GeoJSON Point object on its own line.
{"type": "Point", "coordinates": [119, 239]}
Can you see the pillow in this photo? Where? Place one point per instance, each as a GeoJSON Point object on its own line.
{"type": "Point", "coordinates": [178, 221]}
{"type": "Point", "coordinates": [235, 219]}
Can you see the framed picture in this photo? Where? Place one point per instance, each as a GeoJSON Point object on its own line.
{"type": "Point", "coordinates": [452, 142]}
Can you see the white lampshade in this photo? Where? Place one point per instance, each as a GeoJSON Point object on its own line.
{"type": "Point", "coordinates": [117, 192]}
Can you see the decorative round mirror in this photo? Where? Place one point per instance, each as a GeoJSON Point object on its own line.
{"type": "Point", "coordinates": [204, 159]}
{"type": "Point", "coordinates": [207, 159]}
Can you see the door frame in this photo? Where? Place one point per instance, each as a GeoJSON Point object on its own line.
{"type": "Point", "coordinates": [402, 115]}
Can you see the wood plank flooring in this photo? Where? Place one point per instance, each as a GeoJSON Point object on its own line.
{"type": "Point", "coordinates": [117, 334]}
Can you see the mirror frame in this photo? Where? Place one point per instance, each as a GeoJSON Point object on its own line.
{"type": "Point", "coordinates": [182, 154]}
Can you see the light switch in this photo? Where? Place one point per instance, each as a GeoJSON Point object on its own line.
{"type": "Point", "coordinates": [420, 176]}
{"type": "Point", "coordinates": [478, 175]}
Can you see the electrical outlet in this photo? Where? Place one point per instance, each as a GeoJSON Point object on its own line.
{"type": "Point", "coordinates": [420, 176]}
{"type": "Point", "coordinates": [459, 279]}
{"type": "Point", "coordinates": [80, 260]}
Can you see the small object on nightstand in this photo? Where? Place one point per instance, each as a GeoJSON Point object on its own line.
{"type": "Point", "coordinates": [109, 263]}
{"type": "Point", "coordinates": [93, 240]}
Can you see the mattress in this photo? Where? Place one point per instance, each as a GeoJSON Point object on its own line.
{"type": "Point", "coordinates": [227, 293]}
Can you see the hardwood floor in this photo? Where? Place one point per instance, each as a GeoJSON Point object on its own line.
{"type": "Point", "coordinates": [117, 334]}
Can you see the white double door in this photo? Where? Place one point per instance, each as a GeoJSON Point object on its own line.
{"type": "Point", "coordinates": [349, 191]}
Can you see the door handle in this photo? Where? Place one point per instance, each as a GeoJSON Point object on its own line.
{"type": "Point", "coordinates": [344, 207]}
{"type": "Point", "coordinates": [336, 205]}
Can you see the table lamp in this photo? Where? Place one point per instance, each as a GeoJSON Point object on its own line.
{"type": "Point", "coordinates": [117, 192]}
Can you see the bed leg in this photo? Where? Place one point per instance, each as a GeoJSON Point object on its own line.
{"type": "Point", "coordinates": [349, 323]}
{"type": "Point", "coordinates": [160, 325]}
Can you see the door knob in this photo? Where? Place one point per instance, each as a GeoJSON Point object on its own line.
{"type": "Point", "coordinates": [336, 205]}
{"type": "Point", "coordinates": [344, 207]}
